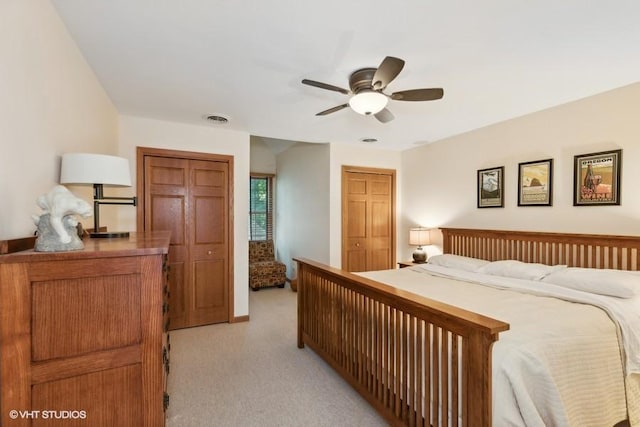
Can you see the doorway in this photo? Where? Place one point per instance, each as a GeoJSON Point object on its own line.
{"type": "Point", "coordinates": [190, 194]}
{"type": "Point", "coordinates": [368, 218]}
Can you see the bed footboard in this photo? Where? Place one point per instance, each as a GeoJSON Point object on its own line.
{"type": "Point", "coordinates": [417, 361]}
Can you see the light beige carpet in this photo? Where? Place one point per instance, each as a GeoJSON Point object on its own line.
{"type": "Point", "coordinates": [253, 374]}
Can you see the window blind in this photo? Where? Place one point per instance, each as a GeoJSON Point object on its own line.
{"type": "Point", "coordinates": [261, 207]}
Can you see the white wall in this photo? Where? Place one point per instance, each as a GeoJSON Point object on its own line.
{"type": "Point", "coordinates": [439, 185]}
{"type": "Point", "coordinates": [51, 103]}
{"type": "Point", "coordinates": [353, 155]}
{"type": "Point", "coordinates": [302, 200]}
{"type": "Point", "coordinates": [136, 131]}
{"type": "Point", "coordinates": [262, 158]}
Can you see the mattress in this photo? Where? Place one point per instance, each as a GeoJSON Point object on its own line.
{"type": "Point", "coordinates": [566, 360]}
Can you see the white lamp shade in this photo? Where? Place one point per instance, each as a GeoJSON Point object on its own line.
{"type": "Point", "coordinates": [368, 102]}
{"type": "Point", "coordinates": [419, 236]}
{"type": "Point", "coordinates": [85, 168]}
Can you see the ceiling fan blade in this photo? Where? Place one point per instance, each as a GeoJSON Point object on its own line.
{"type": "Point", "coordinates": [418, 95]}
{"type": "Point", "coordinates": [386, 72]}
{"type": "Point", "coordinates": [384, 116]}
{"type": "Point", "coordinates": [332, 110]}
{"type": "Point", "coordinates": [325, 86]}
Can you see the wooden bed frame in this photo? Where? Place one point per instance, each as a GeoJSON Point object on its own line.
{"type": "Point", "coordinates": [395, 347]}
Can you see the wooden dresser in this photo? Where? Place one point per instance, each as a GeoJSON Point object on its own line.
{"type": "Point", "coordinates": [83, 334]}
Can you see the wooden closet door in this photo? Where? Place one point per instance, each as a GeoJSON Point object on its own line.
{"type": "Point", "coordinates": [208, 221]}
{"type": "Point", "coordinates": [368, 220]}
{"type": "Point", "coordinates": [191, 199]}
{"type": "Point", "coordinates": [166, 207]}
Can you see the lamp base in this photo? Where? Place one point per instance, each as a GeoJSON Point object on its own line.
{"type": "Point", "coordinates": [419, 255]}
{"type": "Point", "coordinates": [109, 234]}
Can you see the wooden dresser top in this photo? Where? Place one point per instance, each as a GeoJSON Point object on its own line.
{"type": "Point", "coordinates": [149, 243]}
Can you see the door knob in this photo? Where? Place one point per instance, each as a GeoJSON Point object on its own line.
{"type": "Point", "coordinates": [209, 252]}
{"type": "Point", "coordinates": [357, 245]}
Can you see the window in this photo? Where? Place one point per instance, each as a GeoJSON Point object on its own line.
{"type": "Point", "coordinates": [261, 207]}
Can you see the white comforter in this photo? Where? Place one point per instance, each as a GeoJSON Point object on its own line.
{"type": "Point", "coordinates": [567, 354]}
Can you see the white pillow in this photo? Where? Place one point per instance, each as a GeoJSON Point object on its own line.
{"type": "Point", "coordinates": [519, 269]}
{"type": "Point", "coordinates": [615, 283]}
{"type": "Point", "coordinates": [457, 261]}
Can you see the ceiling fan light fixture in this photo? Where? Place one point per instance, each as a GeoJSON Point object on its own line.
{"type": "Point", "coordinates": [368, 102]}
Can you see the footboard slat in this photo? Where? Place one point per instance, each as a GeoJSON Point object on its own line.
{"type": "Point", "coordinates": [427, 369]}
{"type": "Point", "coordinates": [435, 377]}
{"type": "Point", "coordinates": [396, 363]}
{"type": "Point", "coordinates": [455, 378]}
{"type": "Point", "coordinates": [419, 362]}
{"type": "Point", "coordinates": [444, 361]}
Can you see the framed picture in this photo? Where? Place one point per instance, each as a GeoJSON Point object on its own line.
{"type": "Point", "coordinates": [491, 188]}
{"type": "Point", "coordinates": [535, 183]}
{"type": "Point", "coordinates": [596, 178]}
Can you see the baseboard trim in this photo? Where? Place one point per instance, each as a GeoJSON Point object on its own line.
{"type": "Point", "coordinates": [238, 319]}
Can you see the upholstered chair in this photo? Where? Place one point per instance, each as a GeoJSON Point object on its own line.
{"type": "Point", "coordinates": [264, 270]}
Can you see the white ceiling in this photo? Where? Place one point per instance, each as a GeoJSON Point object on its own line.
{"type": "Point", "coordinates": [496, 59]}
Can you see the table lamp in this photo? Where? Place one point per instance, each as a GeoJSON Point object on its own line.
{"type": "Point", "coordinates": [419, 236]}
{"type": "Point", "coordinates": [99, 170]}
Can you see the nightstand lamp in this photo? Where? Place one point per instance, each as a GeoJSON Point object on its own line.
{"type": "Point", "coordinates": [418, 237]}
{"type": "Point", "coordinates": [99, 170]}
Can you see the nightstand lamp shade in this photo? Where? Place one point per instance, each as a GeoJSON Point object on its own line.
{"type": "Point", "coordinates": [98, 170]}
{"type": "Point", "coordinates": [419, 236]}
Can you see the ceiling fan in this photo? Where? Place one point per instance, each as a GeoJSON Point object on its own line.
{"type": "Point", "coordinates": [367, 85]}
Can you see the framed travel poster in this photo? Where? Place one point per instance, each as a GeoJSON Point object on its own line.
{"type": "Point", "coordinates": [535, 183]}
{"type": "Point", "coordinates": [491, 188]}
{"type": "Point", "coordinates": [596, 178]}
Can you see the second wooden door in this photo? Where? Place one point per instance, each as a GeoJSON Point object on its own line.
{"type": "Point", "coordinates": [368, 220]}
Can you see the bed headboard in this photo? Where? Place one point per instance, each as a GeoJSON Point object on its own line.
{"type": "Point", "coordinates": [574, 250]}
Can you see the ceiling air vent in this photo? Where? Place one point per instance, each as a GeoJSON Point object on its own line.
{"type": "Point", "coordinates": [369, 140]}
{"type": "Point", "coordinates": [218, 119]}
